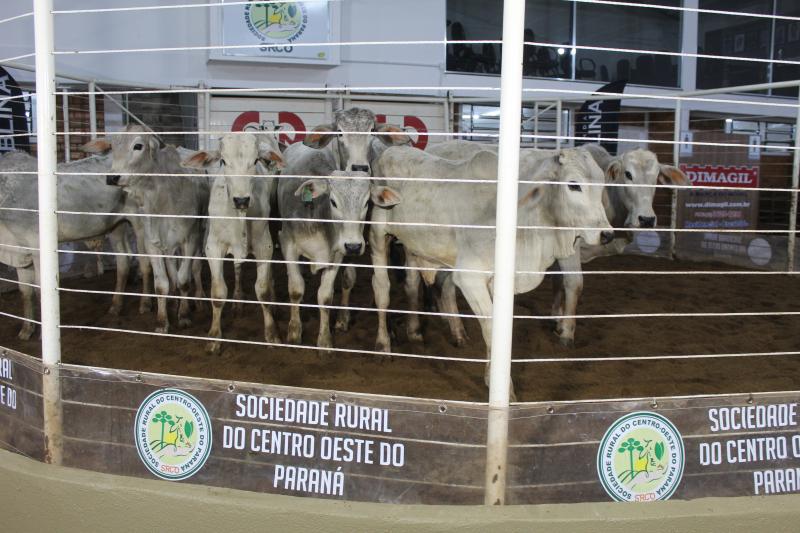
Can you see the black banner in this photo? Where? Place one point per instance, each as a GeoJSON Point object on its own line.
{"type": "Point", "coordinates": [600, 118]}
{"type": "Point", "coordinates": [12, 115]}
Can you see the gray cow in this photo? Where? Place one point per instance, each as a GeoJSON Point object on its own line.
{"type": "Point", "coordinates": [240, 197]}
{"type": "Point", "coordinates": [347, 144]}
{"type": "Point", "coordinates": [137, 161]}
{"type": "Point", "coordinates": [79, 193]}
{"type": "Point", "coordinates": [575, 201]}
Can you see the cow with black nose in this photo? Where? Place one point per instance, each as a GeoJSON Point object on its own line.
{"type": "Point", "coordinates": [238, 208]}
{"type": "Point", "coordinates": [323, 218]}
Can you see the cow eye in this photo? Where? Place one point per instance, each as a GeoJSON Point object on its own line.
{"type": "Point", "coordinates": [628, 175]}
{"type": "Point", "coordinates": [138, 146]}
{"type": "Point", "coordinates": [573, 186]}
{"type": "Point", "coordinates": [222, 162]}
{"type": "Point", "coordinates": [333, 203]}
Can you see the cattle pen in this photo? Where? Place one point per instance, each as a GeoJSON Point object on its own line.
{"type": "Point", "coordinates": [660, 362]}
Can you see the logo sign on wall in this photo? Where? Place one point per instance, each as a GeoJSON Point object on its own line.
{"type": "Point", "coordinates": [641, 458]}
{"type": "Point", "coordinates": [172, 434]}
{"type": "Point", "coordinates": [293, 32]}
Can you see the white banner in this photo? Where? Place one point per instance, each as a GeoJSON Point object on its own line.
{"type": "Point", "coordinates": [279, 27]}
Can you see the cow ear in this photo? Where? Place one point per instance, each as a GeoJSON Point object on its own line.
{"type": "Point", "coordinates": [615, 171]}
{"type": "Point", "coordinates": [313, 188]}
{"type": "Point", "coordinates": [669, 175]}
{"type": "Point", "coordinates": [201, 159]}
{"type": "Point", "coordinates": [96, 146]}
{"type": "Point", "coordinates": [384, 196]}
{"type": "Point", "coordinates": [317, 138]}
{"type": "Point", "coordinates": [153, 143]}
{"type": "Point", "coordinates": [397, 136]}
{"type": "Point", "coordinates": [269, 151]}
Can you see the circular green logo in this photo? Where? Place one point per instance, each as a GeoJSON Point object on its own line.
{"type": "Point", "coordinates": [641, 458]}
{"type": "Point", "coordinates": [276, 21]}
{"type": "Point", "coordinates": [172, 434]}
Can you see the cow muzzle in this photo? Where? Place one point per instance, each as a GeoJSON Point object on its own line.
{"type": "Point", "coordinates": [112, 179]}
{"type": "Point", "coordinates": [647, 222]}
{"type": "Point", "coordinates": [241, 202]}
{"type": "Point", "coordinates": [353, 248]}
{"type": "Point", "coordinates": [606, 236]}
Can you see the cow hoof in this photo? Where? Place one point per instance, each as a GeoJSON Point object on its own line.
{"type": "Point", "coordinates": [566, 342]}
{"type": "Point", "coordinates": [25, 333]}
{"type": "Point", "coordinates": [415, 336]}
{"type": "Point", "coordinates": [295, 334]}
{"type": "Point", "coordinates": [144, 308]}
{"type": "Point", "coordinates": [114, 310]}
{"type": "Point", "coordinates": [342, 324]}
{"type": "Point", "coordinates": [273, 338]}
{"type": "Point", "coordinates": [162, 329]}
{"type": "Point", "coordinates": [184, 323]}
{"type": "Point", "coordinates": [460, 342]}
{"type": "Point", "coordinates": [383, 347]}
{"type": "Point", "coordinates": [214, 348]}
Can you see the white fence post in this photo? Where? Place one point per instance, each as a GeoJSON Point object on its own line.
{"type": "Point", "coordinates": [790, 259]}
{"type": "Point", "coordinates": [505, 250]}
{"type": "Point", "coordinates": [48, 225]}
{"type": "Point", "coordinates": [92, 110]}
{"type": "Point", "coordinates": [676, 160]}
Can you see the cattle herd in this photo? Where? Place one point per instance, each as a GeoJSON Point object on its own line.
{"type": "Point", "coordinates": [440, 204]}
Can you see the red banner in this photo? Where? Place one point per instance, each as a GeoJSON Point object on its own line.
{"type": "Point", "coordinates": [722, 176]}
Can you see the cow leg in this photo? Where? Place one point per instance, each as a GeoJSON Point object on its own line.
{"type": "Point", "coordinates": [197, 275]}
{"type": "Point", "coordinates": [219, 292]}
{"type": "Point", "coordinates": [118, 237]}
{"type": "Point", "coordinates": [161, 283]}
{"type": "Point", "coordinates": [572, 286]}
{"type": "Point", "coordinates": [297, 287]}
{"type": "Point", "coordinates": [26, 275]}
{"type": "Point", "coordinates": [343, 315]}
{"type": "Point", "coordinates": [145, 269]}
{"type": "Point", "coordinates": [448, 303]}
{"type": "Point", "coordinates": [238, 294]}
{"type": "Point", "coordinates": [262, 246]}
{"type": "Point", "coordinates": [412, 295]}
{"type": "Point", "coordinates": [324, 299]}
{"type": "Point", "coordinates": [558, 298]}
{"type": "Point", "coordinates": [184, 282]}
{"type": "Point", "coordinates": [475, 288]}
{"type": "Point", "coordinates": [379, 247]}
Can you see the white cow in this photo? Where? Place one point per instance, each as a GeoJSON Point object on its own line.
{"type": "Point", "coordinates": [626, 207]}
{"type": "Point", "coordinates": [347, 144]}
{"type": "Point", "coordinates": [575, 202]}
{"type": "Point", "coordinates": [239, 195]}
{"type": "Point", "coordinates": [80, 193]}
{"type": "Point", "coordinates": [137, 162]}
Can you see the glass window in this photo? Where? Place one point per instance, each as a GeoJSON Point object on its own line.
{"type": "Point", "coordinates": [786, 45]}
{"type": "Point", "coordinates": [628, 27]}
{"type": "Point", "coordinates": [545, 21]}
{"type": "Point", "coordinates": [733, 35]}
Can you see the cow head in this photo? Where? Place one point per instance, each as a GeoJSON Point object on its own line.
{"type": "Point", "coordinates": [238, 157]}
{"type": "Point", "coordinates": [351, 129]}
{"type": "Point", "coordinates": [574, 199]}
{"type": "Point", "coordinates": [641, 168]}
{"type": "Point", "coordinates": [133, 151]}
{"type": "Point", "coordinates": [348, 201]}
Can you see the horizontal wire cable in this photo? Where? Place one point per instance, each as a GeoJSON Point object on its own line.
{"type": "Point", "coordinates": [4, 98]}
{"type": "Point", "coordinates": [16, 17]}
{"type": "Point", "coordinates": [442, 314]}
{"type": "Point", "coordinates": [428, 42]}
{"type": "Point", "coordinates": [650, 357]}
{"type": "Point", "coordinates": [278, 344]}
{"type": "Point", "coordinates": [426, 224]}
{"type": "Point", "coordinates": [18, 247]}
{"type": "Point", "coordinates": [271, 302]}
{"type": "Point", "coordinates": [22, 318]}
{"type": "Point", "coordinates": [15, 58]}
{"type": "Point", "coordinates": [687, 9]}
{"type": "Point", "coordinates": [692, 187]}
{"type": "Point", "coordinates": [173, 6]}
{"type": "Point", "coordinates": [17, 282]}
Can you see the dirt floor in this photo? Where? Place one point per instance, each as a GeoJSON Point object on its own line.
{"type": "Point", "coordinates": [462, 380]}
